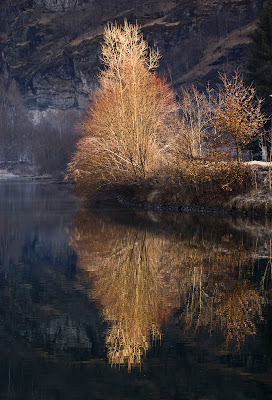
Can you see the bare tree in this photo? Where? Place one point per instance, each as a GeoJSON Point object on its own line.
{"type": "Point", "coordinates": [193, 122]}
{"type": "Point", "coordinates": [125, 125]}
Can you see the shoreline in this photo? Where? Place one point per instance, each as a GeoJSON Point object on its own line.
{"type": "Point", "coordinates": [128, 202]}
{"type": "Point", "coordinates": [9, 176]}
{"type": "Point", "coordinates": [188, 209]}
{"type": "Point", "coordinates": [246, 191]}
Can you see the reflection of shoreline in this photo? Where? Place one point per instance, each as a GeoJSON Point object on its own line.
{"type": "Point", "coordinates": [140, 276]}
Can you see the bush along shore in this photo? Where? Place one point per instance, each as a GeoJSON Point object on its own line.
{"type": "Point", "coordinates": [156, 152]}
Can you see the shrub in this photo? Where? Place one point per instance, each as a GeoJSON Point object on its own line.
{"type": "Point", "coordinates": [214, 182]}
{"type": "Point", "coordinates": [237, 112]}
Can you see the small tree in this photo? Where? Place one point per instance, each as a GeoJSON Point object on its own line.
{"type": "Point", "coordinates": [127, 119]}
{"type": "Point", "coordinates": [237, 112]}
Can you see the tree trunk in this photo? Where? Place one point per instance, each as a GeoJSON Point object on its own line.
{"type": "Point", "coordinates": [238, 152]}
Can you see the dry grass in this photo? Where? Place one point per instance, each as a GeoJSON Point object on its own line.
{"type": "Point", "coordinates": [259, 198]}
{"type": "Point", "coordinates": [197, 182]}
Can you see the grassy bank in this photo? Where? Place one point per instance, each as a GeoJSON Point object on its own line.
{"type": "Point", "coordinates": [248, 191]}
{"type": "Point", "coordinates": [164, 193]}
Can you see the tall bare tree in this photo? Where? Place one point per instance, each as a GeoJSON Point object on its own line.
{"type": "Point", "coordinates": [127, 119]}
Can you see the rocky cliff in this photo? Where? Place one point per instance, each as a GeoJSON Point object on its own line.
{"type": "Point", "coordinates": [51, 47]}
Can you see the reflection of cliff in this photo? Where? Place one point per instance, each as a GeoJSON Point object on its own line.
{"type": "Point", "coordinates": [38, 302]}
{"type": "Point", "coordinates": [139, 278]}
{"type": "Point", "coordinates": [32, 219]}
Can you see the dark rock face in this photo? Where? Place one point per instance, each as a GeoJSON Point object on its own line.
{"type": "Point", "coordinates": [61, 5]}
{"type": "Point", "coordinates": [51, 47]}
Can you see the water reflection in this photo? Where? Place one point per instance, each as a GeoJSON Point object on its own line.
{"type": "Point", "coordinates": [131, 281]}
{"type": "Point", "coordinates": [186, 298]}
{"type": "Point", "coordinates": [37, 297]}
{"type": "Point", "coordinates": [142, 276]}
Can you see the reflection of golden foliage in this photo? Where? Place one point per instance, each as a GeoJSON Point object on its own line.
{"type": "Point", "coordinates": [238, 310]}
{"type": "Point", "coordinates": [216, 293]}
{"type": "Point", "coordinates": [139, 278]}
{"type": "Point", "coordinates": [132, 295]}
{"type": "Point", "coordinates": [218, 300]}
{"type": "Point", "coordinates": [129, 281]}
{"type": "Point", "coordinates": [125, 348]}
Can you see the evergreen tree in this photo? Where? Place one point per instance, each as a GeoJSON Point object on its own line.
{"type": "Point", "coordinates": [260, 61]}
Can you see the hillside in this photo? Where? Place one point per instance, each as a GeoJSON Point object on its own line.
{"type": "Point", "coordinates": [51, 47]}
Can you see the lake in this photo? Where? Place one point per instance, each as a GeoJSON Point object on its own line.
{"type": "Point", "coordinates": [108, 303]}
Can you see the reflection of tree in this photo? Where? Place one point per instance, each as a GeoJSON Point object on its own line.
{"type": "Point", "coordinates": [217, 294]}
{"type": "Point", "coordinates": [129, 282]}
{"type": "Point", "coordinates": [237, 311]}
{"type": "Point", "coordinates": [139, 277]}
{"type": "Point", "coordinates": [131, 294]}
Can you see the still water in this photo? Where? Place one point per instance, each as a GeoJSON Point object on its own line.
{"type": "Point", "coordinates": [114, 304]}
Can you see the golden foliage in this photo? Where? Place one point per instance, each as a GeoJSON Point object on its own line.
{"type": "Point", "coordinates": [124, 129]}
{"type": "Point", "coordinates": [237, 112]}
{"type": "Point", "coordinates": [133, 136]}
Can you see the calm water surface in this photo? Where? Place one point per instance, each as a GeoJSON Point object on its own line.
{"type": "Point", "coordinates": [110, 304]}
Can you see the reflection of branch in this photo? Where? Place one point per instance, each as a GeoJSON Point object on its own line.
{"type": "Point", "coordinates": [215, 298]}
